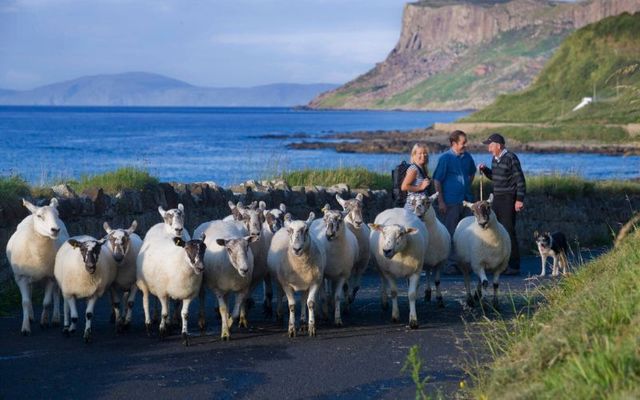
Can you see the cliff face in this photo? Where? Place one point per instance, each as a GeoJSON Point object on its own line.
{"type": "Point", "coordinates": [458, 55]}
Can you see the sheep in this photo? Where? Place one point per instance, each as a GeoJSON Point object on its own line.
{"type": "Point", "coordinates": [170, 268]}
{"type": "Point", "coordinates": [340, 248]}
{"type": "Point", "coordinates": [437, 251]}
{"type": "Point", "coordinates": [483, 244]}
{"type": "Point", "coordinates": [83, 269]}
{"type": "Point", "coordinates": [298, 263]}
{"type": "Point", "coordinates": [228, 268]}
{"type": "Point", "coordinates": [397, 241]}
{"type": "Point", "coordinates": [273, 222]}
{"type": "Point", "coordinates": [356, 225]}
{"type": "Point", "coordinates": [172, 226]}
{"type": "Point", "coordinates": [31, 252]}
{"type": "Point", "coordinates": [124, 246]}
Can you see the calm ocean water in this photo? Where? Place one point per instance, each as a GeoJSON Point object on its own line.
{"type": "Point", "coordinates": [219, 144]}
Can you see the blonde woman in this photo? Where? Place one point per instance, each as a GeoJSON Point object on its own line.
{"type": "Point", "coordinates": [417, 177]}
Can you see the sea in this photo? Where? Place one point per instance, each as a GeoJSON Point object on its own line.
{"type": "Point", "coordinates": [226, 145]}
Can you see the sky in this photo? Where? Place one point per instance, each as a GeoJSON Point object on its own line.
{"type": "Point", "coordinates": [206, 43]}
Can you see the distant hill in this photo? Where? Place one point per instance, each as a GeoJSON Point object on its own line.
{"type": "Point", "coordinates": [605, 57]}
{"type": "Point", "coordinates": [146, 89]}
{"type": "Point", "coordinates": [462, 54]}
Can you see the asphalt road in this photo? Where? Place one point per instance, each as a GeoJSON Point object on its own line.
{"type": "Point", "coordinates": [363, 359]}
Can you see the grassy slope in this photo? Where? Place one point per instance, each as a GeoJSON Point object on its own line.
{"type": "Point", "coordinates": [583, 342]}
{"type": "Point", "coordinates": [603, 54]}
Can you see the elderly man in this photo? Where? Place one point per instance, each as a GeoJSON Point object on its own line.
{"type": "Point", "coordinates": [509, 188]}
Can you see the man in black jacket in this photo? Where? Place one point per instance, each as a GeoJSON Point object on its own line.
{"type": "Point", "coordinates": [509, 188]}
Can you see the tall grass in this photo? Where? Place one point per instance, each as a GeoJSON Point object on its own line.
{"type": "Point", "coordinates": [114, 181]}
{"type": "Point", "coordinates": [12, 188]}
{"type": "Point", "coordinates": [582, 342]}
{"type": "Point", "coordinates": [354, 177]}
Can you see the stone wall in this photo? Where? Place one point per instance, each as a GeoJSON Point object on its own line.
{"type": "Point", "coordinates": [589, 220]}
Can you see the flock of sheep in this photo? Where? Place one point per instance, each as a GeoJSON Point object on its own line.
{"type": "Point", "coordinates": [322, 258]}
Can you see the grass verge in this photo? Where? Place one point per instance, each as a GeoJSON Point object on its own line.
{"type": "Point", "coordinates": [582, 342]}
{"type": "Point", "coordinates": [360, 178]}
{"type": "Point", "coordinates": [114, 181]}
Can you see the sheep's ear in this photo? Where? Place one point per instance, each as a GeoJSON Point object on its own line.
{"type": "Point", "coordinates": [434, 196]}
{"type": "Point", "coordinates": [340, 200]}
{"type": "Point", "coordinates": [287, 220]}
{"type": "Point", "coordinates": [133, 227]}
{"type": "Point", "coordinates": [203, 236]}
{"type": "Point", "coordinates": [54, 203]}
{"type": "Point", "coordinates": [101, 241]}
{"type": "Point", "coordinates": [535, 234]}
{"type": "Point", "coordinates": [359, 197]}
{"type": "Point", "coordinates": [181, 207]}
{"type": "Point", "coordinates": [411, 231]}
{"type": "Point", "coordinates": [231, 205]}
{"type": "Point", "coordinates": [265, 214]}
{"type": "Point", "coordinates": [283, 207]}
{"type": "Point", "coordinates": [253, 205]}
{"type": "Point", "coordinates": [74, 243]}
{"type": "Point", "coordinates": [262, 206]}
{"type": "Point", "coordinates": [221, 242]}
{"type": "Point", "coordinates": [161, 211]}
{"type": "Point", "coordinates": [251, 238]}
{"type": "Point", "coordinates": [490, 199]}
{"type": "Point", "coordinates": [312, 216]}
{"type": "Point", "coordinates": [375, 227]}
{"type": "Point", "coordinates": [467, 204]}
{"type": "Point", "coordinates": [106, 227]}
{"type": "Point", "coordinates": [29, 206]}
{"type": "Point", "coordinates": [326, 208]}
{"type": "Point", "coordinates": [178, 241]}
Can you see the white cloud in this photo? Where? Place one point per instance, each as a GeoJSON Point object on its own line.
{"type": "Point", "coordinates": [355, 46]}
{"type": "Point", "coordinates": [20, 80]}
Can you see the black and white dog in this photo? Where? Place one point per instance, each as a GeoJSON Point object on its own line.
{"type": "Point", "coordinates": [553, 245]}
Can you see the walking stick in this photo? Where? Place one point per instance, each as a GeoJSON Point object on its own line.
{"type": "Point", "coordinates": [481, 184]}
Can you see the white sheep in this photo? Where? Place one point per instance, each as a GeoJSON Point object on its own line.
{"type": "Point", "coordinates": [273, 222]}
{"type": "Point", "coordinates": [124, 246]}
{"type": "Point", "coordinates": [83, 269]}
{"type": "Point", "coordinates": [356, 225]}
{"type": "Point", "coordinates": [397, 242]}
{"type": "Point", "coordinates": [340, 248]}
{"type": "Point", "coordinates": [483, 244]}
{"type": "Point", "coordinates": [172, 225]}
{"type": "Point", "coordinates": [298, 262]}
{"type": "Point", "coordinates": [228, 269]}
{"type": "Point", "coordinates": [439, 246]}
{"type": "Point", "coordinates": [170, 268]}
{"type": "Point", "coordinates": [31, 252]}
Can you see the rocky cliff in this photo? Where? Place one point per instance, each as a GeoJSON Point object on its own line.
{"type": "Point", "coordinates": [463, 54]}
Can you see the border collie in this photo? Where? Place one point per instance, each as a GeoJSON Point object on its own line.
{"type": "Point", "coordinates": [553, 245]}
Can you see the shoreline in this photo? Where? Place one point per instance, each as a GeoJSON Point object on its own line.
{"type": "Point", "coordinates": [397, 142]}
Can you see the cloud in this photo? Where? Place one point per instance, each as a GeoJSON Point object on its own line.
{"type": "Point", "coordinates": [356, 46]}
{"type": "Point", "coordinates": [20, 79]}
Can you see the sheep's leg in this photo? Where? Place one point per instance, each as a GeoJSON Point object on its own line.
{"type": "Point", "coordinates": [345, 297]}
{"type": "Point", "coordinates": [185, 321]}
{"type": "Point", "coordinates": [65, 311]}
{"type": "Point", "coordinates": [303, 311]}
{"type": "Point", "coordinates": [384, 299]}
{"type": "Point", "coordinates": [88, 315]}
{"type": "Point", "coordinates": [25, 292]}
{"type": "Point", "coordinates": [156, 308]}
{"type": "Point", "coordinates": [324, 300]}
{"type": "Point", "coordinates": [239, 308]}
{"type": "Point", "coordinates": [202, 320]}
{"type": "Point", "coordinates": [395, 312]}
{"type": "Point", "coordinates": [337, 299]}
{"type": "Point", "coordinates": [414, 280]}
{"type": "Point", "coordinates": [130, 302]}
{"type": "Point", "coordinates": [175, 317]}
{"type": "Point", "coordinates": [267, 306]}
{"type": "Point", "coordinates": [496, 278]}
{"type": "Point", "coordinates": [544, 264]}
{"type": "Point", "coordinates": [355, 286]}
{"type": "Point", "coordinates": [224, 315]}
{"type": "Point", "coordinates": [311, 303]}
{"type": "Point", "coordinates": [555, 270]}
{"type": "Point", "coordinates": [31, 314]}
{"type": "Point", "coordinates": [55, 319]}
{"type": "Point", "coordinates": [115, 308]}
{"type": "Point", "coordinates": [427, 288]}
{"type": "Point", "coordinates": [164, 315]}
{"type": "Point", "coordinates": [145, 306]}
{"type": "Point", "coordinates": [279, 303]}
{"type": "Point", "coordinates": [71, 302]}
{"type": "Point", "coordinates": [467, 285]}
{"type": "Point", "coordinates": [564, 262]}
{"type": "Point", "coordinates": [291, 300]}
{"type": "Point", "coordinates": [46, 303]}
{"type": "Point", "coordinates": [483, 282]}
{"type": "Point", "coordinates": [438, 271]}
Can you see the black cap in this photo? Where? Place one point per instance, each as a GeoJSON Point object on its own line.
{"type": "Point", "coordinates": [494, 138]}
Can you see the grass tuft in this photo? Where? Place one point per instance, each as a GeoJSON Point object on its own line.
{"type": "Point", "coordinates": [360, 178]}
{"type": "Point", "coordinates": [114, 181]}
